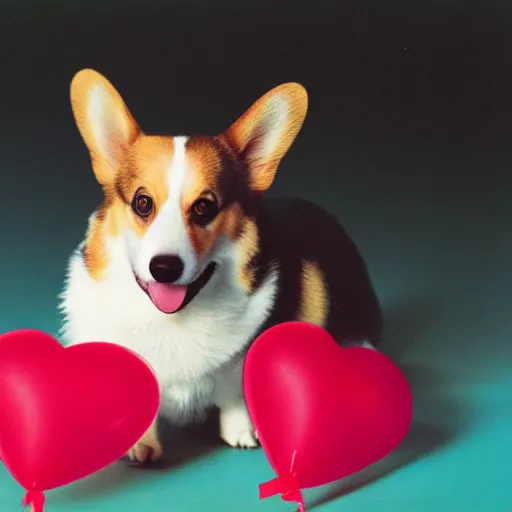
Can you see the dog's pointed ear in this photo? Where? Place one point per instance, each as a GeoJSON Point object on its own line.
{"type": "Point", "coordinates": [104, 122]}
{"type": "Point", "coordinates": [265, 132]}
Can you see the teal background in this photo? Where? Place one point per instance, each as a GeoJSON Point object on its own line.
{"type": "Point", "coordinates": [406, 141]}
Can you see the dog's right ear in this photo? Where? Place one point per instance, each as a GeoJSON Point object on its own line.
{"type": "Point", "coordinates": [105, 123]}
{"type": "Point", "coordinates": [264, 133]}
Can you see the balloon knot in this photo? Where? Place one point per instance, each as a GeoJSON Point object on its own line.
{"type": "Point", "coordinates": [287, 486]}
{"type": "Point", "coordinates": [36, 499]}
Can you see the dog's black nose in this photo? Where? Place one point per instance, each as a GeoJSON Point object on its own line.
{"type": "Point", "coordinates": [166, 268]}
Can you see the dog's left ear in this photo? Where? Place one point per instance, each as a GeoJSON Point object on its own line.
{"type": "Point", "coordinates": [265, 132]}
{"type": "Point", "coordinates": [104, 121]}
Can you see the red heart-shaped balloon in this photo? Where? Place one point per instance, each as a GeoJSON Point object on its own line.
{"type": "Point", "coordinates": [321, 411]}
{"type": "Point", "coordinates": [68, 412]}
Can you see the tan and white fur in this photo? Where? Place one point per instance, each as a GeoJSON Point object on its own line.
{"type": "Point", "coordinates": [198, 351]}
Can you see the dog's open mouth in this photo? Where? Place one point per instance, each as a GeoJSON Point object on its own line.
{"type": "Point", "coordinates": [171, 298]}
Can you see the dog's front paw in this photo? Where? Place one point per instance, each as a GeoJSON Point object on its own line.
{"type": "Point", "coordinates": [143, 453]}
{"type": "Point", "coordinates": [236, 428]}
{"type": "Point", "coordinates": [147, 449]}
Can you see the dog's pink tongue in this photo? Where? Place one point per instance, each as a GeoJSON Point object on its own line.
{"type": "Point", "coordinates": [167, 297]}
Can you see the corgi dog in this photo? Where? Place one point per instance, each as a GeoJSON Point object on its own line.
{"type": "Point", "coordinates": [186, 262]}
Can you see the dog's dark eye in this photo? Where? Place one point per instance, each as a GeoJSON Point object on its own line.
{"type": "Point", "coordinates": [142, 205]}
{"type": "Point", "coordinates": [203, 211]}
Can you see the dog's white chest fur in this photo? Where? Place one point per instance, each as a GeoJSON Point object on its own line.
{"type": "Point", "coordinates": [194, 353]}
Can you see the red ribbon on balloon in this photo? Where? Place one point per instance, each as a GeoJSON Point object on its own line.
{"type": "Point", "coordinates": [36, 499]}
{"type": "Point", "coordinates": [54, 401]}
{"type": "Point", "coordinates": [321, 411]}
{"type": "Point", "coordinates": [287, 485]}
